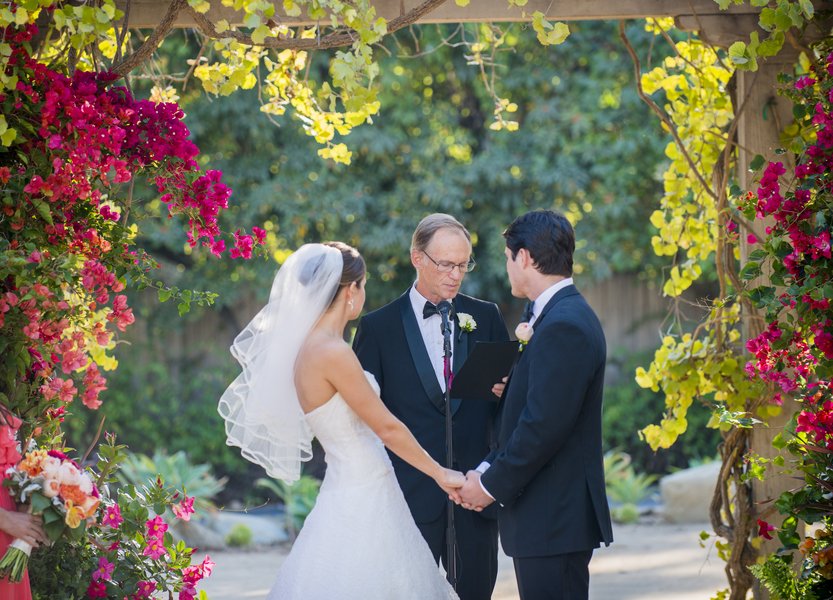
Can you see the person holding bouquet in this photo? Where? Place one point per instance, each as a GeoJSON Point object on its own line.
{"type": "Point", "coordinates": [14, 524]}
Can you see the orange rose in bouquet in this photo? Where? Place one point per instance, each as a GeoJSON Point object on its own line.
{"type": "Point", "coordinates": [54, 486]}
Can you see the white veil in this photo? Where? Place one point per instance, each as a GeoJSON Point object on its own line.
{"type": "Point", "coordinates": [261, 409]}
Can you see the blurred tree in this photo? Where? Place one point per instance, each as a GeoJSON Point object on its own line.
{"type": "Point", "coordinates": [583, 147]}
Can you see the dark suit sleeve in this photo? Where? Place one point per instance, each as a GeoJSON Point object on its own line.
{"type": "Point", "coordinates": [366, 347]}
{"type": "Point", "coordinates": [499, 332]}
{"type": "Point", "coordinates": [559, 373]}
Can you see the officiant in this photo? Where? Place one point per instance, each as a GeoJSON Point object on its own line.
{"type": "Point", "coordinates": [402, 344]}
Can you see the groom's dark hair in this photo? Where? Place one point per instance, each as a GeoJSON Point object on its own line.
{"type": "Point", "coordinates": [548, 237]}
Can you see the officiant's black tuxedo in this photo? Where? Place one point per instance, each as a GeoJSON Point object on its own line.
{"type": "Point", "coordinates": [389, 344]}
{"type": "Point", "coordinates": [547, 473]}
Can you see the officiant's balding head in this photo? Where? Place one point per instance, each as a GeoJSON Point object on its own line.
{"type": "Point", "coordinates": [441, 255]}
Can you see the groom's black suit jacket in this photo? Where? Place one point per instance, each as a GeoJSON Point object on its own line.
{"type": "Point", "coordinates": [389, 345]}
{"type": "Point", "coordinates": [548, 472]}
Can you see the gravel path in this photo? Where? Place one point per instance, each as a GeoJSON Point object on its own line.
{"type": "Point", "coordinates": [648, 561]}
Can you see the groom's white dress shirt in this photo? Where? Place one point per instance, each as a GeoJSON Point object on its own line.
{"type": "Point", "coordinates": [537, 306]}
{"type": "Point", "coordinates": [432, 334]}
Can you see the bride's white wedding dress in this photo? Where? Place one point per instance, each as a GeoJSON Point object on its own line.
{"type": "Point", "coordinates": [360, 541]}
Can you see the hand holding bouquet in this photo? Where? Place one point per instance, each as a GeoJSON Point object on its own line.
{"type": "Point", "coordinates": [55, 487]}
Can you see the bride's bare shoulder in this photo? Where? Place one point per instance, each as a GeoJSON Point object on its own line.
{"type": "Point", "coordinates": [322, 350]}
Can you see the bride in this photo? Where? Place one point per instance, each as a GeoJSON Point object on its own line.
{"type": "Point", "coordinates": [301, 379]}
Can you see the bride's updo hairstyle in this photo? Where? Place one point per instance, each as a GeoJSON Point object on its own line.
{"type": "Point", "coordinates": [354, 268]}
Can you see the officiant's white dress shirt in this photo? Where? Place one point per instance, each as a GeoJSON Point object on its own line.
{"type": "Point", "coordinates": [537, 306]}
{"type": "Point", "coordinates": [432, 335]}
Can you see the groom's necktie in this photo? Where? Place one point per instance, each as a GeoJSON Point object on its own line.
{"type": "Point", "coordinates": [527, 316]}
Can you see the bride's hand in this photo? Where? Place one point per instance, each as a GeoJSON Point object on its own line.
{"type": "Point", "coordinates": [450, 481]}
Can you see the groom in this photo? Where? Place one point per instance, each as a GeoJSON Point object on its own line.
{"type": "Point", "coordinates": [547, 473]}
{"type": "Point", "coordinates": [402, 345]}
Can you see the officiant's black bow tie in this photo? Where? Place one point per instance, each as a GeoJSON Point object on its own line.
{"type": "Point", "coordinates": [430, 310]}
{"type": "Point", "coordinates": [525, 318]}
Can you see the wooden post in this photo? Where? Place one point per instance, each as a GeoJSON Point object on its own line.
{"type": "Point", "coordinates": [764, 116]}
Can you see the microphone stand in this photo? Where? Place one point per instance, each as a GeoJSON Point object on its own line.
{"type": "Point", "coordinates": [446, 309]}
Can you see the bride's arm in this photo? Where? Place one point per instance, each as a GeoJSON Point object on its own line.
{"type": "Point", "coordinates": [347, 376]}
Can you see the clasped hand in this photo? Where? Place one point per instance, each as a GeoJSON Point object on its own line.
{"type": "Point", "coordinates": [471, 495]}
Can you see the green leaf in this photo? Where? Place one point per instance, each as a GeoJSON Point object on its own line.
{"type": "Point", "coordinates": [54, 529]}
{"type": "Point", "coordinates": [260, 33]}
{"type": "Point", "coordinates": [757, 162]}
{"type": "Point", "coordinates": [737, 53]}
{"type": "Point", "coordinates": [799, 111]}
{"type": "Point", "coordinates": [750, 271]}
{"type": "Point", "coordinates": [78, 533]}
{"type": "Point", "coordinates": [772, 45]}
{"type": "Point", "coordinates": [43, 209]}
{"type": "Point", "coordinates": [39, 503]}
{"type": "Point", "coordinates": [164, 295]}
{"type": "Point", "coordinates": [757, 255]}
{"type": "Point", "coordinates": [807, 8]}
{"type": "Point", "coordinates": [50, 515]}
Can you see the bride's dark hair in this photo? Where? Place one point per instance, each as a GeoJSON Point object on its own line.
{"type": "Point", "coordinates": [354, 268]}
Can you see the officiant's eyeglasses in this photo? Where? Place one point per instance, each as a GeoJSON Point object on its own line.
{"type": "Point", "coordinates": [445, 266]}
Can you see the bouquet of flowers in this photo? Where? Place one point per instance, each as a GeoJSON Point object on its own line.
{"type": "Point", "coordinates": [54, 486]}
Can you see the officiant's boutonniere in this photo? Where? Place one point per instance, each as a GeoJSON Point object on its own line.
{"type": "Point", "coordinates": [524, 333]}
{"type": "Point", "coordinates": [466, 322]}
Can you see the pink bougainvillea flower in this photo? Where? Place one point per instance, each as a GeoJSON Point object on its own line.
{"type": "Point", "coordinates": [156, 527]}
{"type": "Point", "coordinates": [144, 589]}
{"type": "Point", "coordinates": [188, 592]}
{"type": "Point", "coordinates": [218, 247]}
{"type": "Point", "coordinates": [765, 529]}
{"type": "Point", "coordinates": [184, 509]}
{"type": "Point", "coordinates": [243, 245]}
{"type": "Point", "coordinates": [194, 573]}
{"type": "Point", "coordinates": [155, 548]}
{"type": "Point", "coordinates": [97, 589]}
{"type": "Point", "coordinates": [260, 234]}
{"type": "Point", "coordinates": [104, 570]}
{"type": "Point", "coordinates": [112, 516]}
{"type": "Point", "coordinates": [803, 82]}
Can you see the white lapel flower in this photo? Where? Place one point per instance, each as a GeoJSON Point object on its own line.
{"type": "Point", "coordinates": [466, 322]}
{"type": "Point", "coordinates": [524, 333]}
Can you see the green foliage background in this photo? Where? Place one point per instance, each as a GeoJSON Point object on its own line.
{"type": "Point", "coordinates": [586, 146]}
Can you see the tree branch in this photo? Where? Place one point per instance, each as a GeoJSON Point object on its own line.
{"type": "Point", "coordinates": [661, 113]}
{"type": "Point", "coordinates": [153, 40]}
{"type": "Point", "coordinates": [335, 39]}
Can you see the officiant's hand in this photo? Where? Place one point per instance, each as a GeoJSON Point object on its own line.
{"type": "Point", "coordinates": [472, 495]}
{"type": "Point", "coordinates": [498, 388]}
{"type": "Point", "coordinates": [450, 481]}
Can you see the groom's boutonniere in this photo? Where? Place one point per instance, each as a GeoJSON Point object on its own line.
{"type": "Point", "coordinates": [524, 333]}
{"type": "Point", "coordinates": [466, 322]}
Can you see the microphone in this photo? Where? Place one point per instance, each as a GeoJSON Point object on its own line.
{"type": "Point", "coordinates": [445, 309]}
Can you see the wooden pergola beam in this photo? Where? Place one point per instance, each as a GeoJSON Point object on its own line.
{"type": "Point", "coordinates": [147, 13]}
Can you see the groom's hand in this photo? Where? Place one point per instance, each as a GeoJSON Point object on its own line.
{"type": "Point", "coordinates": [472, 495]}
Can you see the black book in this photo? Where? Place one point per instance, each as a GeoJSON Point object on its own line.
{"type": "Point", "coordinates": [487, 364]}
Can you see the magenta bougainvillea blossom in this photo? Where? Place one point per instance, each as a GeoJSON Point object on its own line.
{"type": "Point", "coordinates": [69, 255]}
{"type": "Point", "coordinates": [82, 140]}
{"type": "Point", "coordinates": [794, 353]}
